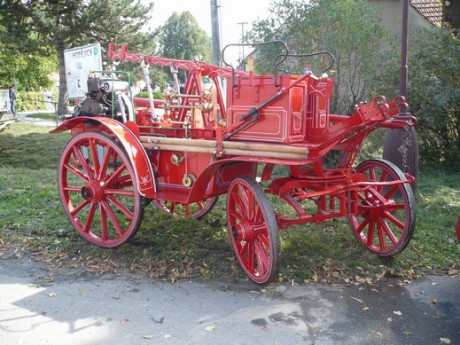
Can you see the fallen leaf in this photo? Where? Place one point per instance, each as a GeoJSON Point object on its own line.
{"type": "Point", "coordinates": [434, 301]}
{"type": "Point", "coordinates": [148, 336]}
{"type": "Point", "coordinates": [167, 336]}
{"type": "Point", "coordinates": [406, 333]}
{"type": "Point", "coordinates": [389, 319]}
{"type": "Point", "coordinates": [210, 328]}
{"type": "Point", "coordinates": [125, 321]}
{"type": "Point", "coordinates": [52, 294]}
{"type": "Point", "coordinates": [366, 309]}
{"type": "Point", "coordinates": [445, 340]}
{"type": "Point", "coordinates": [397, 312]}
{"type": "Point", "coordinates": [452, 272]}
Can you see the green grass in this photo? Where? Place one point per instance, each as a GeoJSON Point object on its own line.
{"type": "Point", "coordinates": [33, 222]}
{"type": "Point", "coordinates": [44, 116]}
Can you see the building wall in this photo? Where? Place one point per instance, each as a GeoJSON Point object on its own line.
{"type": "Point", "coordinates": [391, 11]}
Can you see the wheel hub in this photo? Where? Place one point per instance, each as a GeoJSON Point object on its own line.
{"type": "Point", "coordinates": [93, 191]}
{"type": "Point", "coordinates": [243, 232]}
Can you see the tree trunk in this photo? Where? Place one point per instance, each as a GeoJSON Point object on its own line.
{"type": "Point", "coordinates": [63, 102]}
{"type": "Point", "coordinates": [63, 95]}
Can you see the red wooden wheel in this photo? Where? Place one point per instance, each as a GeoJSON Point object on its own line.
{"type": "Point", "coordinates": [197, 209]}
{"type": "Point", "coordinates": [98, 190]}
{"type": "Point", "coordinates": [385, 220]}
{"type": "Point", "coordinates": [253, 230]}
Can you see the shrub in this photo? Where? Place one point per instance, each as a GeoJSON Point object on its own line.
{"type": "Point", "coordinates": [434, 96]}
{"type": "Point", "coordinates": [30, 101]}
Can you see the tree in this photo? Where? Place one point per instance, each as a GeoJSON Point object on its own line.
{"type": "Point", "coordinates": [349, 29]}
{"type": "Point", "coordinates": [29, 71]}
{"type": "Point", "coordinates": [182, 38]}
{"type": "Point", "coordinates": [63, 24]}
{"type": "Point", "coordinates": [434, 95]}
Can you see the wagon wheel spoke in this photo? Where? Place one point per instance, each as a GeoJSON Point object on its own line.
{"type": "Point", "coordinates": [120, 206]}
{"type": "Point", "coordinates": [263, 264]}
{"type": "Point", "coordinates": [391, 192]}
{"type": "Point", "coordinates": [89, 220]}
{"type": "Point", "coordinates": [82, 161]}
{"type": "Point", "coordinates": [394, 220]}
{"type": "Point", "coordinates": [387, 231]}
{"type": "Point", "coordinates": [239, 195]}
{"type": "Point", "coordinates": [126, 192]}
{"type": "Point", "coordinates": [94, 154]}
{"type": "Point", "coordinates": [370, 233]}
{"type": "Point", "coordinates": [79, 207]}
{"type": "Point", "coordinates": [116, 174]}
{"type": "Point", "coordinates": [112, 217]}
{"type": "Point", "coordinates": [103, 170]}
{"type": "Point", "coordinates": [103, 220]}
{"type": "Point", "coordinates": [76, 172]}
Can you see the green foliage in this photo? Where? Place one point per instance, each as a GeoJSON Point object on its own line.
{"type": "Point", "coordinates": [27, 71]}
{"type": "Point", "coordinates": [434, 95]}
{"type": "Point", "coordinates": [62, 24]}
{"type": "Point", "coordinates": [156, 95]}
{"type": "Point", "coordinates": [351, 30]}
{"type": "Point", "coordinates": [182, 38]}
{"type": "Point", "coordinates": [30, 101]}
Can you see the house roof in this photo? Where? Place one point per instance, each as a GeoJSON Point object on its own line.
{"type": "Point", "coordinates": [430, 9]}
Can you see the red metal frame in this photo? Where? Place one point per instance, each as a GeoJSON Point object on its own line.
{"type": "Point", "coordinates": [298, 116]}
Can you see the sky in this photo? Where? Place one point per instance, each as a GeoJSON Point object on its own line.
{"type": "Point", "coordinates": [232, 12]}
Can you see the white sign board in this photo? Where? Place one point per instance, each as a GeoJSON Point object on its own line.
{"type": "Point", "coordinates": [4, 100]}
{"type": "Point", "coordinates": [79, 63]}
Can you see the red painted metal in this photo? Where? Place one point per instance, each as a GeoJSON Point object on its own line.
{"type": "Point", "coordinates": [144, 172]}
{"type": "Point", "coordinates": [99, 190]}
{"type": "Point", "coordinates": [212, 139]}
{"type": "Point", "coordinates": [253, 230]}
{"type": "Point", "coordinates": [458, 229]}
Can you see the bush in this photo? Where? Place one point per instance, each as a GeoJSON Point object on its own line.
{"type": "Point", "coordinates": [30, 101]}
{"type": "Point", "coordinates": [156, 95]}
{"type": "Point", "coordinates": [434, 96]}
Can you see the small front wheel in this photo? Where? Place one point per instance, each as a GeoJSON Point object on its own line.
{"type": "Point", "coordinates": [385, 220]}
{"type": "Point", "coordinates": [253, 230]}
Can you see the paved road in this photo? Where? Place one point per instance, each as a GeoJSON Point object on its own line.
{"type": "Point", "coordinates": [28, 118]}
{"type": "Point", "coordinates": [80, 308]}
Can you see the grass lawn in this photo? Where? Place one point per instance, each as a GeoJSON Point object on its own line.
{"type": "Point", "coordinates": [33, 222]}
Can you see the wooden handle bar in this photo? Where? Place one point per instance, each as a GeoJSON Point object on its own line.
{"type": "Point", "coordinates": [227, 144]}
{"type": "Point", "coordinates": [228, 147]}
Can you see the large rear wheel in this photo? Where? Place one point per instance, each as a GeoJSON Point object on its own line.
{"type": "Point", "coordinates": [253, 230]}
{"type": "Point", "coordinates": [385, 220]}
{"type": "Point", "coordinates": [98, 190]}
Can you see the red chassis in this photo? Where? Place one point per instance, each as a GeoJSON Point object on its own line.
{"type": "Point", "coordinates": [212, 141]}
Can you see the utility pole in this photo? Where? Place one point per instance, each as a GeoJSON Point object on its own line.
{"type": "Point", "coordinates": [401, 146]}
{"type": "Point", "coordinates": [242, 39]}
{"type": "Point", "coordinates": [215, 21]}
